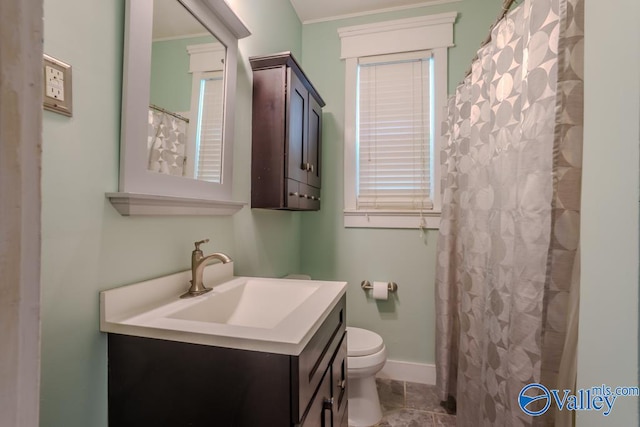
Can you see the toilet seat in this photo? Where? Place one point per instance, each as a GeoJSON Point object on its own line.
{"type": "Point", "coordinates": [361, 342]}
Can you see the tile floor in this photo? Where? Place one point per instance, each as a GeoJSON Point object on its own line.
{"type": "Point", "coordinates": [406, 404]}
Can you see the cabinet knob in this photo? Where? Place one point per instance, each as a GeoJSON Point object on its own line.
{"type": "Point", "coordinates": [307, 167]}
{"type": "Point", "coordinates": [342, 384]}
{"type": "Point", "coordinates": [327, 404]}
{"type": "Point", "coordinates": [294, 194]}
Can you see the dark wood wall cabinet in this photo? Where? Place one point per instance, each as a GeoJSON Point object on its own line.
{"type": "Point", "coordinates": [162, 383]}
{"type": "Point", "coordinates": [287, 135]}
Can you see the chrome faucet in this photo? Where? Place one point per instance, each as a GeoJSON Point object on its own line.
{"type": "Point", "coordinates": [198, 263]}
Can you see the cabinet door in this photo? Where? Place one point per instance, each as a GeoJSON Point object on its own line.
{"type": "Point", "coordinates": [297, 127]}
{"type": "Point", "coordinates": [339, 383]}
{"type": "Point", "coordinates": [309, 368]}
{"type": "Point", "coordinates": [314, 143]}
{"type": "Point", "coordinates": [319, 414]}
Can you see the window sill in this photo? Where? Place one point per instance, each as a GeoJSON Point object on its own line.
{"type": "Point", "coordinates": [389, 219]}
{"type": "Point", "coordinates": [130, 204]}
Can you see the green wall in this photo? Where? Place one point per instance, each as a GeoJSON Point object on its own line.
{"type": "Point", "coordinates": [86, 245]}
{"type": "Point", "coordinates": [331, 252]}
{"type": "Point", "coordinates": [171, 82]}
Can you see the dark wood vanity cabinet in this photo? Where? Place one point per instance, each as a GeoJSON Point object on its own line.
{"type": "Point", "coordinates": [287, 135]}
{"type": "Point", "coordinates": [164, 383]}
{"type": "Point", "coordinates": [321, 372]}
{"type": "Point", "coordinates": [329, 407]}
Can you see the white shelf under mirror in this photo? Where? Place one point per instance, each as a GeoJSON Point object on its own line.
{"type": "Point", "coordinates": [132, 204]}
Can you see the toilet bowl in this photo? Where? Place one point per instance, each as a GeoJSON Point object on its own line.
{"type": "Point", "coordinates": [366, 355]}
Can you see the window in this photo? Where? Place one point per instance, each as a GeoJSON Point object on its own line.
{"type": "Point", "coordinates": [209, 127]}
{"type": "Point", "coordinates": [205, 150]}
{"type": "Point", "coordinates": [395, 93]}
{"type": "Point", "coordinates": [393, 132]}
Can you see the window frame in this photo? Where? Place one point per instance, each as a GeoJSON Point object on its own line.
{"type": "Point", "coordinates": [433, 33]}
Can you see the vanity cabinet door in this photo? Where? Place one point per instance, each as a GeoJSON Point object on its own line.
{"type": "Point", "coordinates": [309, 367]}
{"type": "Point", "coordinates": [319, 414]}
{"type": "Point", "coordinates": [339, 384]}
{"type": "Point", "coordinates": [328, 407]}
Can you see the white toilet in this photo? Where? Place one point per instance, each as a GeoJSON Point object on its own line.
{"type": "Point", "coordinates": [366, 355]}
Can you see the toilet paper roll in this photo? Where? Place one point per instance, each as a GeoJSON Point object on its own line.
{"type": "Point", "coordinates": [380, 290]}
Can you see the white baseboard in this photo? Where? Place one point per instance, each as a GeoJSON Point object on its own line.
{"type": "Point", "coordinates": [408, 371]}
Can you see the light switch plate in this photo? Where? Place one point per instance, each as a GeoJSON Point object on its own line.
{"type": "Point", "coordinates": [57, 86]}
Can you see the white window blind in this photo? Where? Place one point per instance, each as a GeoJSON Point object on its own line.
{"type": "Point", "coordinates": [394, 132]}
{"type": "Point", "coordinates": [209, 130]}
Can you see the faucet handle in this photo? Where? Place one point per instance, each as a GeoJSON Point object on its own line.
{"type": "Point", "coordinates": [200, 243]}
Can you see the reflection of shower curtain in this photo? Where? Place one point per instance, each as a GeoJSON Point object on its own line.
{"type": "Point", "coordinates": [166, 139]}
{"type": "Point", "coordinates": [507, 278]}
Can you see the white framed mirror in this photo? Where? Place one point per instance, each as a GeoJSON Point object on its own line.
{"type": "Point", "coordinates": [178, 102]}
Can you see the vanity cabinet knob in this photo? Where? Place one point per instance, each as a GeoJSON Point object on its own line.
{"type": "Point", "coordinates": [327, 404]}
{"type": "Point", "coordinates": [311, 168]}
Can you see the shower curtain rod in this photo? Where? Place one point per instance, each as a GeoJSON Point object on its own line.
{"type": "Point", "coordinates": [506, 6]}
{"type": "Point", "coordinates": [171, 113]}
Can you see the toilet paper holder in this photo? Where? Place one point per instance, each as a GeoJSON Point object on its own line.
{"type": "Point", "coordinates": [391, 286]}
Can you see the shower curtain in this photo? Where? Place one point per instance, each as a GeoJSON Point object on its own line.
{"type": "Point", "coordinates": [507, 270]}
{"type": "Point", "coordinates": [166, 142]}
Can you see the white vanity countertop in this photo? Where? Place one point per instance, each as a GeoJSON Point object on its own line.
{"type": "Point", "coordinates": [271, 315]}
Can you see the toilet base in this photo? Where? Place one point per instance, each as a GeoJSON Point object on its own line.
{"type": "Point", "coordinates": [364, 403]}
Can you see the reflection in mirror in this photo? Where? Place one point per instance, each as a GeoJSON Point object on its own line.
{"type": "Point", "coordinates": [185, 118]}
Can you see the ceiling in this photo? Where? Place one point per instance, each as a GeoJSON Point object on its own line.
{"type": "Point", "coordinates": [172, 20]}
{"type": "Point", "coordinates": [324, 10]}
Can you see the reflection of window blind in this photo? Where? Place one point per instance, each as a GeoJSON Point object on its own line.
{"type": "Point", "coordinates": [394, 116]}
{"type": "Point", "coordinates": [209, 136]}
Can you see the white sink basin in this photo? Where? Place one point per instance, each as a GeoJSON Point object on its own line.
{"type": "Point", "coordinates": [253, 303]}
{"type": "Point", "coordinates": [260, 314]}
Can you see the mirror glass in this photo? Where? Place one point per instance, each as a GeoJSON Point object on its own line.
{"type": "Point", "coordinates": [186, 96]}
